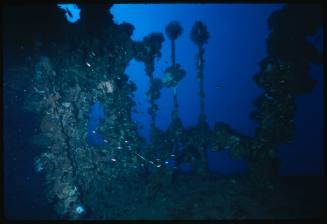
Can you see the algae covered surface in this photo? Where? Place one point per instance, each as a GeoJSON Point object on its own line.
{"type": "Point", "coordinates": [74, 150]}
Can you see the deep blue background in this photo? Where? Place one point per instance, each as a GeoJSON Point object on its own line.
{"type": "Point", "coordinates": [236, 46]}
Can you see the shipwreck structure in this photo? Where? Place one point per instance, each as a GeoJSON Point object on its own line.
{"type": "Point", "coordinates": [91, 151]}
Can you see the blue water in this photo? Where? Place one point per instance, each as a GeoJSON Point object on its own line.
{"type": "Point", "coordinates": [237, 44]}
{"type": "Point", "coordinates": [96, 116]}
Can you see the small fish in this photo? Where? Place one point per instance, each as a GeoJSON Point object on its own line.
{"type": "Point", "coordinates": [38, 91]}
{"type": "Point", "coordinates": [140, 156]}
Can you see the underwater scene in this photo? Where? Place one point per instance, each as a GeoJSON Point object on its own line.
{"type": "Point", "coordinates": [163, 111]}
